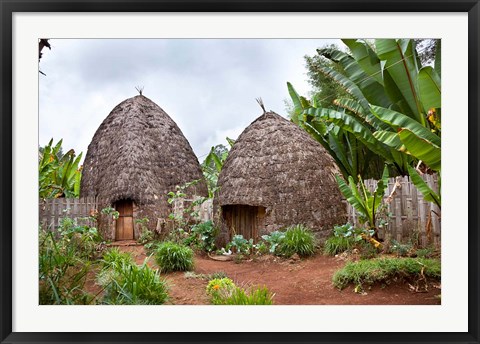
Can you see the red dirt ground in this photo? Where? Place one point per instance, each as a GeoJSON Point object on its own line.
{"type": "Point", "coordinates": [294, 282]}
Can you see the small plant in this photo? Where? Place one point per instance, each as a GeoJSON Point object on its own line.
{"type": "Point", "coordinates": [110, 211]}
{"type": "Point", "coordinates": [224, 292]}
{"type": "Point", "coordinates": [146, 234]}
{"type": "Point", "coordinates": [254, 296]}
{"type": "Point", "coordinates": [64, 261]}
{"type": "Point", "coordinates": [365, 202]}
{"type": "Point", "coordinates": [174, 257]}
{"type": "Point", "coordinates": [298, 239]}
{"type": "Point", "coordinates": [401, 250]}
{"type": "Point", "coordinates": [274, 239]}
{"type": "Point", "coordinates": [335, 245]}
{"type": "Point", "coordinates": [240, 245]}
{"type": "Point", "coordinates": [202, 236]}
{"type": "Point", "coordinates": [130, 284]}
{"type": "Point", "coordinates": [368, 272]}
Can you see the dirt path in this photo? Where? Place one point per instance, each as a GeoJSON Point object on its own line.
{"type": "Point", "coordinates": [301, 282]}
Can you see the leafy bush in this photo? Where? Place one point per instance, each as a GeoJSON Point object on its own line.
{"type": "Point", "coordinates": [240, 245]}
{"type": "Point", "coordinates": [114, 259]}
{"type": "Point", "coordinates": [127, 283]}
{"type": "Point", "coordinates": [401, 250]}
{"type": "Point", "coordinates": [298, 239]}
{"type": "Point", "coordinates": [64, 263]}
{"type": "Point", "coordinates": [174, 257]}
{"type": "Point", "coordinates": [274, 239]}
{"type": "Point", "coordinates": [202, 236]}
{"type": "Point", "coordinates": [224, 292]}
{"type": "Point", "coordinates": [382, 270]}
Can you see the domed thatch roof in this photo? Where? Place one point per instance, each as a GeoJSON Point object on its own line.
{"type": "Point", "coordinates": [138, 153]}
{"type": "Point", "coordinates": [277, 166]}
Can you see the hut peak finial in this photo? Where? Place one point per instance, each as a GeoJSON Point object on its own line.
{"type": "Point", "coordinates": [139, 89]}
{"type": "Point", "coordinates": [260, 102]}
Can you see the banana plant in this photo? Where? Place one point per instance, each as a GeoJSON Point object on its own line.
{"type": "Point", "coordinates": [58, 176]}
{"type": "Point", "coordinates": [366, 203]}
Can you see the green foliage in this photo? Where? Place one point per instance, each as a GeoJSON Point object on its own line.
{"type": "Point", "coordinates": [58, 175]}
{"type": "Point", "coordinates": [401, 250]}
{"type": "Point", "coordinates": [298, 239]}
{"type": "Point", "coordinates": [367, 272]}
{"type": "Point", "coordinates": [202, 236]}
{"type": "Point", "coordinates": [213, 163]}
{"type": "Point", "coordinates": [64, 261]}
{"type": "Point", "coordinates": [326, 90]}
{"type": "Point", "coordinates": [240, 245]}
{"type": "Point", "coordinates": [383, 83]}
{"type": "Point", "coordinates": [110, 211]}
{"type": "Point", "coordinates": [274, 239]}
{"type": "Point", "coordinates": [224, 292]}
{"type": "Point", "coordinates": [338, 244]}
{"type": "Point", "coordinates": [363, 201]}
{"type": "Point", "coordinates": [146, 234]}
{"type": "Point", "coordinates": [186, 215]}
{"type": "Point", "coordinates": [126, 283]}
{"type": "Point", "coordinates": [174, 257]}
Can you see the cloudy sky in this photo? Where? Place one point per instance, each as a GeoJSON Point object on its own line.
{"type": "Point", "coordinates": [207, 86]}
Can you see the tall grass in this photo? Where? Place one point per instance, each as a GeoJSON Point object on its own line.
{"type": "Point", "coordinates": [174, 257]}
{"type": "Point", "coordinates": [127, 283]}
{"type": "Point", "coordinates": [298, 239]}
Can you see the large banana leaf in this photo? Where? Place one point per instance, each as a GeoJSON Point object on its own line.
{"type": "Point", "coordinates": [352, 89]}
{"type": "Point", "coordinates": [373, 91]}
{"type": "Point", "coordinates": [428, 194]}
{"type": "Point", "coordinates": [389, 138]}
{"type": "Point", "coordinates": [399, 121]}
{"type": "Point", "coordinates": [350, 192]}
{"type": "Point", "coordinates": [421, 149]}
{"type": "Point", "coordinates": [351, 124]}
{"type": "Point", "coordinates": [366, 58]}
{"type": "Point", "coordinates": [430, 88]}
{"type": "Point", "coordinates": [401, 66]}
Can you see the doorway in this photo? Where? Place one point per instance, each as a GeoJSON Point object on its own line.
{"type": "Point", "coordinates": [244, 219]}
{"type": "Point", "coordinates": [124, 223]}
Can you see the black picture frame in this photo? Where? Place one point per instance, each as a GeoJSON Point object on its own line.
{"type": "Point", "coordinates": [8, 7]}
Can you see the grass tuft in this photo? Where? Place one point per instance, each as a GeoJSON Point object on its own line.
{"type": "Point", "coordinates": [367, 272]}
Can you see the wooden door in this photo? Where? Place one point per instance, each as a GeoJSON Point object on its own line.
{"type": "Point", "coordinates": [124, 224]}
{"type": "Point", "coordinates": [245, 220]}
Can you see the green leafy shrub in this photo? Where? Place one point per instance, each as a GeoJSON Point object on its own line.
{"type": "Point", "coordinates": [367, 272]}
{"type": "Point", "coordinates": [202, 236]}
{"type": "Point", "coordinates": [274, 239]}
{"type": "Point", "coordinates": [401, 250]}
{"type": "Point", "coordinates": [127, 283]}
{"type": "Point", "coordinates": [174, 257]}
{"type": "Point", "coordinates": [298, 239]}
{"type": "Point", "coordinates": [64, 261]}
{"type": "Point", "coordinates": [240, 245]}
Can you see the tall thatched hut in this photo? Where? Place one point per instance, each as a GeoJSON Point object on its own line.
{"type": "Point", "coordinates": [275, 176]}
{"type": "Point", "coordinates": [138, 155]}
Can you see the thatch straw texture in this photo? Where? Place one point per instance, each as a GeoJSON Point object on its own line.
{"type": "Point", "coordinates": [138, 153]}
{"type": "Point", "coordinates": [277, 165]}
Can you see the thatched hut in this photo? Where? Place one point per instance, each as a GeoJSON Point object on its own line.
{"type": "Point", "coordinates": [138, 155]}
{"type": "Point", "coordinates": [275, 176]}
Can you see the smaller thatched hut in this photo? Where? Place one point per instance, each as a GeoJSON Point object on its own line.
{"type": "Point", "coordinates": [138, 155]}
{"type": "Point", "coordinates": [275, 176]}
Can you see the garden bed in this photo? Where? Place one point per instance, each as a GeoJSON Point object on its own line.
{"type": "Point", "coordinates": [294, 282]}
